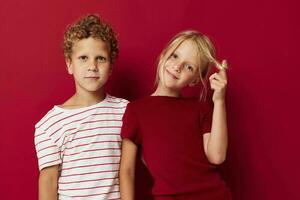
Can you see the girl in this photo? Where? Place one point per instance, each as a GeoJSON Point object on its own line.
{"type": "Point", "coordinates": [181, 139]}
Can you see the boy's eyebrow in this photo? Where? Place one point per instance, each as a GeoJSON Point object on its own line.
{"type": "Point", "coordinates": [101, 55]}
{"type": "Point", "coordinates": [97, 54]}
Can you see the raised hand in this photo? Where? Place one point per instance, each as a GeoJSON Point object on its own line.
{"type": "Point", "coordinates": [218, 83]}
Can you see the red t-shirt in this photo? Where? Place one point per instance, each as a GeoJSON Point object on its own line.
{"type": "Point", "coordinates": [169, 131]}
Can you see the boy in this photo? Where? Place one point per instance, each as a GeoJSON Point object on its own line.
{"type": "Point", "coordinates": [78, 142]}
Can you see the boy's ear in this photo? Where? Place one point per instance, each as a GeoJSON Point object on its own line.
{"type": "Point", "coordinates": [194, 82]}
{"type": "Point", "coordinates": [110, 68]}
{"type": "Point", "coordinates": [69, 66]}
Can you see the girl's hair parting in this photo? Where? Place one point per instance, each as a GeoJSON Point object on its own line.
{"type": "Point", "coordinates": [90, 26]}
{"type": "Point", "coordinates": [206, 53]}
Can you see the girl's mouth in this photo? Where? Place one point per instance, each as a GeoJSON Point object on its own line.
{"type": "Point", "coordinates": [172, 75]}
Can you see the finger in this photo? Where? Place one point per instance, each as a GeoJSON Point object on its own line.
{"type": "Point", "coordinates": [216, 87]}
{"type": "Point", "coordinates": [218, 84]}
{"type": "Point", "coordinates": [213, 86]}
{"type": "Point", "coordinates": [222, 66]}
{"type": "Point", "coordinates": [219, 78]}
{"type": "Point", "coordinates": [212, 76]}
{"type": "Point", "coordinates": [223, 73]}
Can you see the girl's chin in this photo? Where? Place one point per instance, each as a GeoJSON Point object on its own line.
{"type": "Point", "coordinates": [172, 88]}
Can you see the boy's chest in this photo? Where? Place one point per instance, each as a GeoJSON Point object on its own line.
{"type": "Point", "coordinates": [93, 134]}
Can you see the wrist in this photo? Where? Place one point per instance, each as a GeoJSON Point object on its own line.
{"type": "Point", "coordinates": [220, 102]}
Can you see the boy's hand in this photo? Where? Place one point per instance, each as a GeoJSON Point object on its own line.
{"type": "Point", "coordinates": [218, 83]}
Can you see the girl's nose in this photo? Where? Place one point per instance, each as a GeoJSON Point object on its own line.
{"type": "Point", "coordinates": [177, 67]}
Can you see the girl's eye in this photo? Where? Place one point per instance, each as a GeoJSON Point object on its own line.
{"type": "Point", "coordinates": [83, 58]}
{"type": "Point", "coordinates": [174, 55]}
{"type": "Point", "coordinates": [101, 59]}
{"type": "Point", "coordinates": [189, 68]}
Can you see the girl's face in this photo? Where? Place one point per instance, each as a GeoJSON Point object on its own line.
{"type": "Point", "coordinates": [181, 68]}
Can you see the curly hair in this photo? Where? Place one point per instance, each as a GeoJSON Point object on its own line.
{"type": "Point", "coordinates": [90, 26]}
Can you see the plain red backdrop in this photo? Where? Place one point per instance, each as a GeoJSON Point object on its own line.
{"type": "Point", "coordinates": [259, 38]}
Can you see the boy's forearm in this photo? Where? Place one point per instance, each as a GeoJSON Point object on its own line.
{"type": "Point", "coordinates": [47, 190]}
{"type": "Point", "coordinates": [48, 183]}
{"type": "Point", "coordinates": [127, 185]}
{"type": "Point", "coordinates": [217, 144]}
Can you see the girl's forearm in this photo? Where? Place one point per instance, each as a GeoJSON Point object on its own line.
{"type": "Point", "coordinates": [127, 169]}
{"type": "Point", "coordinates": [217, 143]}
{"type": "Point", "coordinates": [127, 184]}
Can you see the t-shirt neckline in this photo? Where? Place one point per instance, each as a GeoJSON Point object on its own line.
{"type": "Point", "coordinates": [83, 108]}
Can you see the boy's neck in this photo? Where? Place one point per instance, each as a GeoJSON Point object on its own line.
{"type": "Point", "coordinates": [90, 99]}
{"type": "Point", "coordinates": [84, 99]}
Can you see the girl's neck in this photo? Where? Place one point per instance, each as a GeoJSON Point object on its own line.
{"type": "Point", "coordinates": [164, 91]}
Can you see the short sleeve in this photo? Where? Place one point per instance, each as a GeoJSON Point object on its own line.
{"type": "Point", "coordinates": [48, 153]}
{"type": "Point", "coordinates": [130, 126]}
{"type": "Point", "coordinates": [206, 111]}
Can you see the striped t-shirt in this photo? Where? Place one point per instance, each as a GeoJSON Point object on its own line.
{"type": "Point", "coordinates": [86, 143]}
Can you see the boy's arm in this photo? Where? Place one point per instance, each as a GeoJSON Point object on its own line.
{"type": "Point", "coordinates": [127, 169]}
{"type": "Point", "coordinates": [48, 182]}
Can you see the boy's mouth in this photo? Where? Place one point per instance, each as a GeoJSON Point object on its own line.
{"type": "Point", "coordinates": [92, 77]}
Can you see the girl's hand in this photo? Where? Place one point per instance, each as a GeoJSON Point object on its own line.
{"type": "Point", "coordinates": [218, 83]}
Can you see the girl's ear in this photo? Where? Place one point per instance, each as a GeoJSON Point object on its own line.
{"type": "Point", "coordinates": [69, 66]}
{"type": "Point", "coordinates": [194, 82]}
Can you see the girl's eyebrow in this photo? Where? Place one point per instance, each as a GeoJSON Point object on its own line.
{"type": "Point", "coordinates": [176, 51]}
{"type": "Point", "coordinates": [178, 54]}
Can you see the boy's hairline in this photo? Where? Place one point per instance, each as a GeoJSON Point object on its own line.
{"type": "Point", "coordinates": [110, 38]}
{"type": "Point", "coordinates": [68, 57]}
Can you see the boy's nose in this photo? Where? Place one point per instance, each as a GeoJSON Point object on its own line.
{"type": "Point", "coordinates": [92, 66]}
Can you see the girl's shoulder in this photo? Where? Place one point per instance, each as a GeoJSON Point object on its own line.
{"type": "Point", "coordinates": [138, 102]}
{"type": "Point", "coordinates": [149, 101]}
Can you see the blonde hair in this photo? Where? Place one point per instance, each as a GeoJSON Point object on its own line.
{"type": "Point", "coordinates": [206, 53]}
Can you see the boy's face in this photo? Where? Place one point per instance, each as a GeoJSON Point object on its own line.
{"type": "Point", "coordinates": [90, 64]}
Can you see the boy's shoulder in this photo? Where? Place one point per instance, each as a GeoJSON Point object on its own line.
{"type": "Point", "coordinates": [53, 114]}
{"type": "Point", "coordinates": [57, 114]}
{"type": "Point", "coordinates": [116, 100]}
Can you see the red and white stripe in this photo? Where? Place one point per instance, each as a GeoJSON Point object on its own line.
{"type": "Point", "coordinates": [86, 143]}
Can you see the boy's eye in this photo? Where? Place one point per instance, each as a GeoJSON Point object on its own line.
{"type": "Point", "coordinates": [83, 58]}
{"type": "Point", "coordinates": [101, 59]}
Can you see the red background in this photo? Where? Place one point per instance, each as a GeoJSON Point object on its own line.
{"type": "Point", "coordinates": [260, 39]}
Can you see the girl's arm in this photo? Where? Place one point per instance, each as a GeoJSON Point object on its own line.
{"type": "Point", "coordinates": [48, 181]}
{"type": "Point", "coordinates": [127, 169]}
{"type": "Point", "coordinates": [215, 142]}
